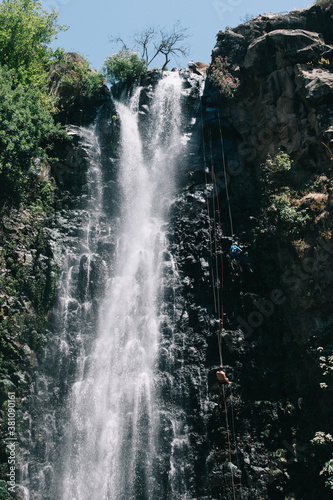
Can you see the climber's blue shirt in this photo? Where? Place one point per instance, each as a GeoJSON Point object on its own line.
{"type": "Point", "coordinates": [235, 250]}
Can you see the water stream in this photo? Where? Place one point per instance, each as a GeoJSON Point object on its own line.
{"type": "Point", "coordinates": [112, 437]}
{"type": "Point", "coordinates": [121, 431]}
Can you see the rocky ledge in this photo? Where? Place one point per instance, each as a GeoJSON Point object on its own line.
{"type": "Point", "coordinates": [285, 100]}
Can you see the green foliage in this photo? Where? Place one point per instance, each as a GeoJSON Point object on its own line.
{"type": "Point", "coordinates": [221, 78]}
{"type": "Point", "coordinates": [3, 489]}
{"type": "Point", "coordinates": [71, 79]}
{"type": "Point", "coordinates": [321, 439]}
{"type": "Point", "coordinates": [274, 172]}
{"type": "Point", "coordinates": [91, 82]}
{"type": "Point", "coordinates": [124, 66]}
{"type": "Point", "coordinates": [28, 277]}
{"type": "Point", "coordinates": [26, 129]}
{"type": "Point", "coordinates": [279, 215]}
{"type": "Point", "coordinates": [317, 182]}
{"type": "Point", "coordinates": [25, 32]}
{"type": "Point", "coordinates": [322, 446]}
{"type": "Point", "coordinates": [284, 216]}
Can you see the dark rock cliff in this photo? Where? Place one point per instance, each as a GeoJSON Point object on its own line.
{"type": "Point", "coordinates": [284, 63]}
{"type": "Point", "coordinates": [277, 339]}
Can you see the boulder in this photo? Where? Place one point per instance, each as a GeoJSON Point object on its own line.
{"type": "Point", "coordinates": [233, 44]}
{"type": "Point", "coordinates": [199, 68]}
{"type": "Point", "coordinates": [283, 48]}
{"type": "Point", "coordinates": [316, 85]}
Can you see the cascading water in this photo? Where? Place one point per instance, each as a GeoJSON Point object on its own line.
{"type": "Point", "coordinates": [123, 432]}
{"type": "Point", "coordinates": [113, 438]}
{"type": "Point", "coordinates": [119, 359]}
{"type": "Point", "coordinates": [74, 317]}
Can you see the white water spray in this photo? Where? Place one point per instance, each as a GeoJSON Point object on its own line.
{"type": "Point", "coordinates": [112, 443]}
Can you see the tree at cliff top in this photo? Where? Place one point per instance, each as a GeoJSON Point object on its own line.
{"type": "Point", "coordinates": [155, 41]}
{"type": "Point", "coordinates": [32, 81]}
{"type": "Point", "coordinates": [124, 66]}
{"type": "Point", "coordinates": [26, 30]}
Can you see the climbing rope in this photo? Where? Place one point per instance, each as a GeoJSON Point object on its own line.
{"type": "Point", "coordinates": [218, 300]}
{"type": "Point", "coordinates": [229, 443]}
{"type": "Point", "coordinates": [221, 255]}
{"type": "Point", "coordinates": [234, 436]}
{"type": "Point", "coordinates": [225, 177]}
{"type": "Point", "coordinates": [208, 212]}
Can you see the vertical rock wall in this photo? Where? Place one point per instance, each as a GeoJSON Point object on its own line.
{"type": "Point", "coordinates": [278, 310]}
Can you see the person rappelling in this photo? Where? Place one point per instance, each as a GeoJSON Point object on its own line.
{"type": "Point", "coordinates": [221, 377]}
{"type": "Point", "coordinates": [235, 252]}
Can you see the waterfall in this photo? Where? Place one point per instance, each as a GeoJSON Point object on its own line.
{"type": "Point", "coordinates": [112, 443]}
{"type": "Point", "coordinates": [81, 230]}
{"type": "Point", "coordinates": [122, 431]}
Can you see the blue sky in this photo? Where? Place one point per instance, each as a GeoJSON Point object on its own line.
{"type": "Point", "coordinates": [92, 22]}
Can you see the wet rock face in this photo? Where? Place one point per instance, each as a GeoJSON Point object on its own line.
{"type": "Point", "coordinates": [268, 413]}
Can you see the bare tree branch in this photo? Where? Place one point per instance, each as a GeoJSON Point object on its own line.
{"type": "Point", "coordinates": [143, 39]}
{"type": "Point", "coordinates": [167, 44]}
{"type": "Point", "coordinates": [117, 39]}
{"type": "Point", "coordinates": [154, 41]}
